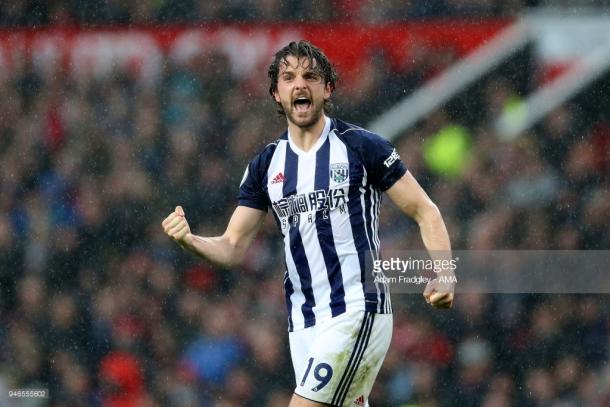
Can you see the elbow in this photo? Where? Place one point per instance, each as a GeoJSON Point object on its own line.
{"type": "Point", "coordinates": [236, 253]}
{"type": "Point", "coordinates": [428, 213]}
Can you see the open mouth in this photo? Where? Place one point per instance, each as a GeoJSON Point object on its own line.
{"type": "Point", "coordinates": [302, 104]}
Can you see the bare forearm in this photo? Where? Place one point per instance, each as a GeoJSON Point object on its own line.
{"type": "Point", "coordinates": [218, 250]}
{"type": "Point", "coordinates": [438, 293]}
{"type": "Point", "coordinates": [226, 250]}
{"type": "Point", "coordinates": [433, 231]}
{"type": "Point", "coordinates": [435, 237]}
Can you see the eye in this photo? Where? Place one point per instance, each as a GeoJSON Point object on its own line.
{"type": "Point", "coordinates": [313, 77]}
{"type": "Point", "coordinates": [287, 77]}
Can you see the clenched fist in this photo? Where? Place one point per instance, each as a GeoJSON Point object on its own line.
{"type": "Point", "coordinates": [176, 227]}
{"type": "Point", "coordinates": [439, 294]}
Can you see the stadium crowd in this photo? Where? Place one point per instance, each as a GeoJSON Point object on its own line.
{"type": "Point", "coordinates": [98, 306]}
{"type": "Point", "coordinates": [43, 13]}
{"type": "Point", "coordinates": [40, 13]}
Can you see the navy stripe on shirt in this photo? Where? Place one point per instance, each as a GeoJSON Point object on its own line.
{"type": "Point", "coordinates": [288, 290]}
{"type": "Point", "coordinates": [325, 234]}
{"type": "Point", "coordinates": [291, 172]}
{"type": "Point", "coordinates": [375, 199]}
{"type": "Point", "coordinates": [357, 221]}
{"type": "Point", "coordinates": [368, 206]}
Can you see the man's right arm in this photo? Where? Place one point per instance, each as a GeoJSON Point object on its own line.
{"type": "Point", "coordinates": [226, 250]}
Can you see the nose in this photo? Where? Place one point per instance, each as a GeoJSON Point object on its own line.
{"type": "Point", "coordinates": [299, 82]}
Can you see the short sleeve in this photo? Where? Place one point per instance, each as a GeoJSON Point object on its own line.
{"type": "Point", "coordinates": [383, 164]}
{"type": "Point", "coordinates": [251, 189]}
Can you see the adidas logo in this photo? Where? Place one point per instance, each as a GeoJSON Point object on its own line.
{"type": "Point", "coordinates": [360, 401]}
{"type": "Point", "coordinates": [278, 178]}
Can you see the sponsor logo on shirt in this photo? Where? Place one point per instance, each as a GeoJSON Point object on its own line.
{"type": "Point", "coordinates": [318, 200]}
{"type": "Point", "coordinates": [279, 178]}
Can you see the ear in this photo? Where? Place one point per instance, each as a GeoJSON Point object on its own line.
{"type": "Point", "coordinates": [328, 91]}
{"type": "Point", "coordinates": [276, 95]}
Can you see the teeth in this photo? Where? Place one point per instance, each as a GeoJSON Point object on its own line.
{"type": "Point", "coordinates": [302, 104]}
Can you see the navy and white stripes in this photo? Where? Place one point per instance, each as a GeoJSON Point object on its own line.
{"type": "Point", "coordinates": [325, 235]}
{"type": "Point", "coordinates": [355, 358]}
{"type": "Point", "coordinates": [326, 202]}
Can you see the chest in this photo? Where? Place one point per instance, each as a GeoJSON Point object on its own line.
{"type": "Point", "coordinates": [299, 185]}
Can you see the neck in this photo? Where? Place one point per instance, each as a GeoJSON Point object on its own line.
{"type": "Point", "coordinates": [306, 137]}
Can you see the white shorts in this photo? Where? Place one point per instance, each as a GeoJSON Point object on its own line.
{"type": "Point", "coordinates": [336, 361]}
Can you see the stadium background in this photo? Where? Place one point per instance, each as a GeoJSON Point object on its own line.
{"type": "Point", "coordinates": [98, 306]}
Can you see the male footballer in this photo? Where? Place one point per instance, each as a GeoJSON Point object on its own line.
{"type": "Point", "coordinates": [323, 180]}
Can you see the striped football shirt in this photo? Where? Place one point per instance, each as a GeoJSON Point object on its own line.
{"type": "Point", "coordinates": [326, 204]}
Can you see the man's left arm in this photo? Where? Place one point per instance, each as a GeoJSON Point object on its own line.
{"type": "Point", "coordinates": [412, 200]}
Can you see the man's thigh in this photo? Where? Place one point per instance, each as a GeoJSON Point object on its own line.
{"type": "Point", "coordinates": [336, 362]}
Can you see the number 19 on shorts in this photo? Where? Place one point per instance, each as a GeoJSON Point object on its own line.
{"type": "Point", "coordinates": [322, 373]}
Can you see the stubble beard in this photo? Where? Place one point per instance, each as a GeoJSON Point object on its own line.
{"type": "Point", "coordinates": [316, 114]}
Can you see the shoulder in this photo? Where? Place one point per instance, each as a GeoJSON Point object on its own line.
{"type": "Point", "coordinates": [263, 158]}
{"type": "Point", "coordinates": [270, 148]}
{"type": "Point", "coordinates": [357, 137]}
{"type": "Point", "coordinates": [371, 147]}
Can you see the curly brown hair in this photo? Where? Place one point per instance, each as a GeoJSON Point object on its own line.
{"type": "Point", "coordinates": [303, 49]}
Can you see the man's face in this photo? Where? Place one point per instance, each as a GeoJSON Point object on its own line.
{"type": "Point", "coordinates": [301, 91]}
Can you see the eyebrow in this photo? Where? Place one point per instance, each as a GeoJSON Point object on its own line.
{"type": "Point", "coordinates": [287, 68]}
